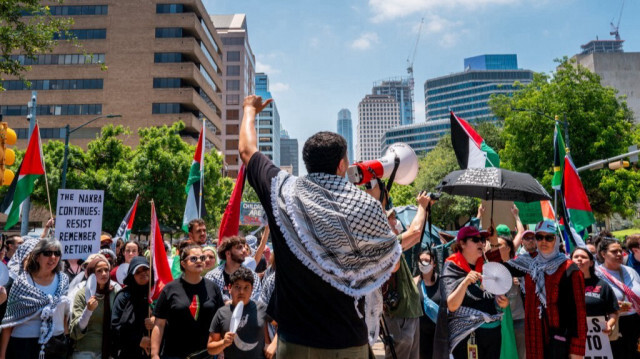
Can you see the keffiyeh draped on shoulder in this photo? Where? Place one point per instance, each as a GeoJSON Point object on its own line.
{"type": "Point", "coordinates": [537, 267]}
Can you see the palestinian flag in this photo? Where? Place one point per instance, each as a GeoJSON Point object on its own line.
{"type": "Point", "coordinates": [159, 260]}
{"type": "Point", "coordinates": [559, 153]}
{"type": "Point", "coordinates": [577, 205]}
{"type": "Point", "coordinates": [124, 231]}
{"type": "Point", "coordinates": [471, 150]}
{"type": "Point", "coordinates": [195, 198]}
{"type": "Point", "coordinates": [21, 187]}
{"type": "Point", "coordinates": [230, 223]}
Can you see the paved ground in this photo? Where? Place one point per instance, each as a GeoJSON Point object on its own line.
{"type": "Point", "coordinates": [378, 349]}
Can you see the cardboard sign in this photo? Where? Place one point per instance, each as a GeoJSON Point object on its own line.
{"type": "Point", "coordinates": [79, 222]}
{"type": "Point", "coordinates": [501, 214]}
{"type": "Point", "coordinates": [598, 345]}
{"type": "Point", "coordinates": [251, 213]}
{"type": "Point", "coordinates": [530, 213]}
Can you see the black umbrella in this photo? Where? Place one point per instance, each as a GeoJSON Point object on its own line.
{"type": "Point", "coordinates": [493, 184]}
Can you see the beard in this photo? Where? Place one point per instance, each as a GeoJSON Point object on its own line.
{"type": "Point", "coordinates": [238, 258]}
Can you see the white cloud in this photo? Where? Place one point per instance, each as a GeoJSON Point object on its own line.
{"type": "Point", "coordinates": [266, 68]}
{"type": "Point", "coordinates": [278, 87]}
{"type": "Point", "coordinates": [384, 10]}
{"type": "Point", "coordinates": [435, 24]}
{"type": "Point", "coordinates": [365, 41]}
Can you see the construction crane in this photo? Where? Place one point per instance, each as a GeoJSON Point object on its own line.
{"type": "Point", "coordinates": [614, 28]}
{"type": "Point", "coordinates": [413, 54]}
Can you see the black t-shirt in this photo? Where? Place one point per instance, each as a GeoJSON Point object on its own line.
{"type": "Point", "coordinates": [599, 297]}
{"type": "Point", "coordinates": [309, 311]}
{"type": "Point", "coordinates": [188, 309]}
{"type": "Point", "coordinates": [250, 333]}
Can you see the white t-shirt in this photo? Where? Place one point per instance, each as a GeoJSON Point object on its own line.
{"type": "Point", "coordinates": [631, 280]}
{"type": "Point", "coordinates": [31, 328]}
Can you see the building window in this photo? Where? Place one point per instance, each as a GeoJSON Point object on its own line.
{"type": "Point", "coordinates": [169, 8]}
{"type": "Point", "coordinates": [233, 56]}
{"type": "Point", "coordinates": [233, 41]}
{"type": "Point", "coordinates": [233, 70]}
{"type": "Point", "coordinates": [161, 57]}
{"type": "Point", "coordinates": [81, 34]}
{"type": "Point", "coordinates": [79, 10]}
{"type": "Point", "coordinates": [165, 32]}
{"type": "Point", "coordinates": [233, 115]}
{"type": "Point", "coordinates": [233, 85]}
{"type": "Point", "coordinates": [59, 59]}
{"type": "Point", "coordinates": [233, 99]}
{"type": "Point", "coordinates": [265, 131]}
{"type": "Point", "coordinates": [159, 108]}
{"type": "Point", "coordinates": [233, 129]}
{"type": "Point", "coordinates": [73, 84]}
{"type": "Point", "coordinates": [166, 82]}
{"type": "Point", "coordinates": [53, 110]}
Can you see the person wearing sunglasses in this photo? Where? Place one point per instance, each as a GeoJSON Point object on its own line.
{"type": "Point", "coordinates": [469, 317]}
{"type": "Point", "coordinates": [555, 311]}
{"type": "Point", "coordinates": [185, 309]}
{"type": "Point", "coordinates": [35, 323]}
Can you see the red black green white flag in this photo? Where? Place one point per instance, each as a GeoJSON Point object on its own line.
{"type": "Point", "coordinates": [195, 197]}
{"type": "Point", "coordinates": [471, 149]}
{"type": "Point", "coordinates": [575, 198]}
{"type": "Point", "coordinates": [124, 231]}
{"type": "Point", "coordinates": [159, 260]}
{"type": "Point", "coordinates": [21, 187]}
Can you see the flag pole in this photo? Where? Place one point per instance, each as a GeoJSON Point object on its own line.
{"type": "Point", "coordinates": [201, 199]}
{"type": "Point", "coordinates": [151, 244]}
{"type": "Point", "coordinates": [44, 166]}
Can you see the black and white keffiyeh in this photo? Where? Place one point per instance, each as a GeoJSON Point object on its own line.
{"type": "Point", "coordinates": [339, 232]}
{"type": "Point", "coordinates": [537, 267]}
{"type": "Point", "coordinates": [27, 301]}
{"type": "Point", "coordinates": [466, 320]}
{"type": "Point", "coordinates": [15, 264]}
{"type": "Point", "coordinates": [268, 285]}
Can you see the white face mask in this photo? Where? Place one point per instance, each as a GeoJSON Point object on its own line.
{"type": "Point", "coordinates": [398, 227]}
{"type": "Point", "coordinates": [425, 267]}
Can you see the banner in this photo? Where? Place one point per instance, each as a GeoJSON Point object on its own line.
{"type": "Point", "coordinates": [251, 214]}
{"type": "Point", "coordinates": [79, 222]}
{"type": "Point", "coordinates": [598, 345]}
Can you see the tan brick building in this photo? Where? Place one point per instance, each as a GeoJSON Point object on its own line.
{"type": "Point", "coordinates": [163, 64]}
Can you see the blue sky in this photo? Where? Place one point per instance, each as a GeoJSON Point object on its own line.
{"type": "Point", "coordinates": [322, 56]}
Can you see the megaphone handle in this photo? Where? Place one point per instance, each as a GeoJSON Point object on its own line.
{"type": "Point", "coordinates": [396, 164]}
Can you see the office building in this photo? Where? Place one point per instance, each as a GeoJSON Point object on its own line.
{"type": "Point", "coordinates": [401, 89]}
{"type": "Point", "coordinates": [376, 114]}
{"type": "Point", "coordinates": [268, 122]}
{"type": "Point", "coordinates": [288, 152]}
{"type": "Point", "coordinates": [467, 93]}
{"type": "Point", "coordinates": [345, 129]}
{"type": "Point", "coordinates": [154, 63]}
{"type": "Point", "coordinates": [422, 137]}
{"type": "Point", "coordinates": [238, 80]}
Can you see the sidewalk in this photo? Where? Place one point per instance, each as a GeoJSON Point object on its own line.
{"type": "Point", "coordinates": [378, 350]}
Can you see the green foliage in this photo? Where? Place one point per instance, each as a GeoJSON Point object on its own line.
{"type": "Point", "coordinates": [600, 126]}
{"type": "Point", "coordinates": [157, 170]}
{"type": "Point", "coordinates": [403, 195]}
{"type": "Point", "coordinates": [31, 35]}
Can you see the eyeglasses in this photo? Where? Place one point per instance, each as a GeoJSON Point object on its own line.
{"type": "Point", "coordinates": [194, 259]}
{"type": "Point", "coordinates": [477, 239]}
{"type": "Point", "coordinates": [548, 237]}
{"type": "Point", "coordinates": [52, 253]}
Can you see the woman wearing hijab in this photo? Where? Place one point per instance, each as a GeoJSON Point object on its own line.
{"type": "Point", "coordinates": [469, 317]}
{"type": "Point", "coordinates": [130, 316]}
{"type": "Point", "coordinates": [35, 322]}
{"type": "Point", "coordinates": [90, 324]}
{"type": "Point", "coordinates": [211, 261]}
{"type": "Point", "coordinates": [555, 315]}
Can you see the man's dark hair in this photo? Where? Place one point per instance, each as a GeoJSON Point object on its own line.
{"type": "Point", "coordinates": [228, 243]}
{"type": "Point", "coordinates": [194, 222]}
{"type": "Point", "coordinates": [12, 239]}
{"type": "Point", "coordinates": [323, 152]}
{"type": "Point", "coordinates": [633, 241]}
{"type": "Point", "coordinates": [242, 273]}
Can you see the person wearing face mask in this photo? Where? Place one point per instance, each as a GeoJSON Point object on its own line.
{"type": "Point", "coordinates": [402, 308]}
{"type": "Point", "coordinates": [428, 286]}
{"type": "Point", "coordinates": [555, 311]}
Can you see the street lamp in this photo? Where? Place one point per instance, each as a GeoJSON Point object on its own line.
{"type": "Point", "coordinates": [68, 133]}
{"type": "Point", "coordinates": [565, 122]}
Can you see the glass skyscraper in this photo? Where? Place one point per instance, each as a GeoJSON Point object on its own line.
{"type": "Point", "coordinates": [268, 122]}
{"type": "Point", "coordinates": [289, 151]}
{"type": "Point", "coordinates": [345, 129]}
{"type": "Point", "coordinates": [401, 89]}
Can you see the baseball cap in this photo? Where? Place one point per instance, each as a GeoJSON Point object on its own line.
{"type": "Point", "coordinates": [470, 231]}
{"type": "Point", "coordinates": [527, 232]}
{"type": "Point", "coordinates": [503, 230]}
{"type": "Point", "coordinates": [547, 227]}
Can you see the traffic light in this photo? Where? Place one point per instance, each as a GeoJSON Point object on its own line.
{"type": "Point", "coordinates": [7, 156]}
{"type": "Point", "coordinates": [618, 165]}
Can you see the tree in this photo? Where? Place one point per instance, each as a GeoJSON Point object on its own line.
{"type": "Point", "coordinates": [600, 126]}
{"type": "Point", "coordinates": [31, 35]}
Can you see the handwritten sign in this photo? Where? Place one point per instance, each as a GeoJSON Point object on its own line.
{"type": "Point", "coordinates": [598, 345]}
{"type": "Point", "coordinates": [251, 213]}
{"type": "Point", "coordinates": [79, 222]}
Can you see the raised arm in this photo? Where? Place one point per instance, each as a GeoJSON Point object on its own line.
{"type": "Point", "coordinates": [517, 240]}
{"type": "Point", "coordinates": [248, 143]}
{"type": "Point", "coordinates": [413, 234]}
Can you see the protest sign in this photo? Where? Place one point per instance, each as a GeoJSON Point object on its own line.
{"type": "Point", "coordinates": [501, 214]}
{"type": "Point", "coordinates": [79, 222]}
{"type": "Point", "coordinates": [251, 213]}
{"type": "Point", "coordinates": [598, 345]}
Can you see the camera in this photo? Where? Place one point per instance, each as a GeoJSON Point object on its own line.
{"type": "Point", "coordinates": [434, 196]}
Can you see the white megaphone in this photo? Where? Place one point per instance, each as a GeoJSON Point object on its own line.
{"type": "Point", "coordinates": [363, 172]}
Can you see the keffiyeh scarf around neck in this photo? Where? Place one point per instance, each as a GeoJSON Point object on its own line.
{"type": "Point", "coordinates": [26, 301]}
{"type": "Point", "coordinates": [537, 267]}
{"type": "Point", "coordinates": [337, 231]}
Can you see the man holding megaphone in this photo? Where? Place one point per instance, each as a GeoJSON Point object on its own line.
{"type": "Point", "coordinates": [334, 247]}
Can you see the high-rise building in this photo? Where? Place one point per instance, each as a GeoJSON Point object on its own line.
{"type": "Point", "coordinates": [345, 129]}
{"type": "Point", "coordinates": [422, 137]}
{"type": "Point", "coordinates": [268, 122]}
{"type": "Point", "coordinates": [467, 93]}
{"type": "Point", "coordinates": [152, 62]}
{"type": "Point", "coordinates": [618, 69]}
{"type": "Point", "coordinates": [288, 152]}
{"type": "Point", "coordinates": [238, 80]}
{"type": "Point", "coordinates": [402, 90]}
{"type": "Point", "coordinates": [376, 114]}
